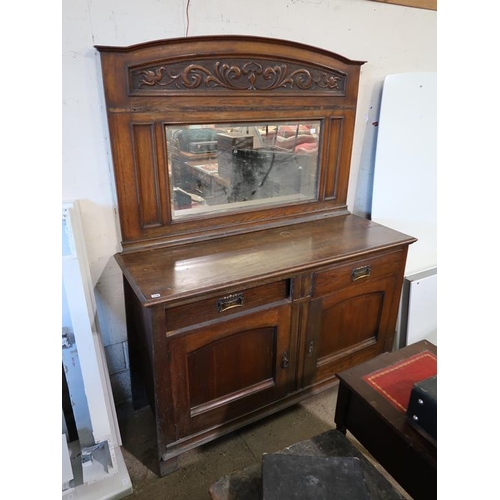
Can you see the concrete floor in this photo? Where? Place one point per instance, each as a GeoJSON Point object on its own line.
{"type": "Point", "coordinates": [202, 467]}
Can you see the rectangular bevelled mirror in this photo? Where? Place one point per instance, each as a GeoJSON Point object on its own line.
{"type": "Point", "coordinates": [222, 168]}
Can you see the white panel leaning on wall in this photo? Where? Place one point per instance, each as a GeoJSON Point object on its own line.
{"type": "Point", "coordinates": [98, 470]}
{"type": "Point", "coordinates": [405, 193]}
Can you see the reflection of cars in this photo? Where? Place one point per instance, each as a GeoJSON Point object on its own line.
{"type": "Point", "coordinates": [297, 138]}
{"type": "Point", "coordinates": [304, 142]}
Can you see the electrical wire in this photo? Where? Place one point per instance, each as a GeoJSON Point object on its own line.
{"type": "Point", "coordinates": [187, 16]}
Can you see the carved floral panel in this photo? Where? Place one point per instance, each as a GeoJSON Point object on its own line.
{"type": "Point", "coordinates": [235, 75]}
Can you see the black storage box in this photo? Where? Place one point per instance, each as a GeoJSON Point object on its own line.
{"type": "Point", "coordinates": [422, 408]}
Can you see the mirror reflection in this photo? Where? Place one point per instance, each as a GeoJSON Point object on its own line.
{"type": "Point", "coordinates": [222, 168]}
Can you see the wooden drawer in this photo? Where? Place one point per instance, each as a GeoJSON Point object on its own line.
{"type": "Point", "coordinates": [225, 305]}
{"type": "Point", "coordinates": [356, 271]}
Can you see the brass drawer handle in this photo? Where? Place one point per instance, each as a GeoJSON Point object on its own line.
{"type": "Point", "coordinates": [360, 272]}
{"type": "Point", "coordinates": [235, 300]}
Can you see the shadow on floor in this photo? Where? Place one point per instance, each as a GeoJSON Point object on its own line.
{"type": "Point", "coordinates": [200, 468]}
{"type": "Point", "coordinates": [203, 466]}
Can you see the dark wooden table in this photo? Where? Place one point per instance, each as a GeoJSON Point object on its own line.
{"type": "Point", "coordinates": [382, 428]}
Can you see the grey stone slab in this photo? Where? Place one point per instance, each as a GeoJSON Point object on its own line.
{"type": "Point", "coordinates": [299, 477]}
{"type": "Point", "coordinates": [246, 484]}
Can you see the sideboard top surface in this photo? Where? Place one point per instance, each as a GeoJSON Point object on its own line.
{"type": "Point", "coordinates": [169, 274]}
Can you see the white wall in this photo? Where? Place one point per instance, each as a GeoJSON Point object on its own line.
{"type": "Point", "coordinates": [391, 38]}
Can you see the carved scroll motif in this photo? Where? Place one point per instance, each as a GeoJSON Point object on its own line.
{"type": "Point", "coordinates": [251, 75]}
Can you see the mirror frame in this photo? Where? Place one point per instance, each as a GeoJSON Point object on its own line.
{"type": "Point", "coordinates": [220, 79]}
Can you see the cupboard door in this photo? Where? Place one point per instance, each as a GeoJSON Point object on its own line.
{"type": "Point", "coordinates": [229, 368]}
{"type": "Point", "coordinates": [349, 327]}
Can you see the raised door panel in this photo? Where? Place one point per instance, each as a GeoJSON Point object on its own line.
{"type": "Point", "coordinates": [225, 370]}
{"type": "Point", "coordinates": [349, 327]}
